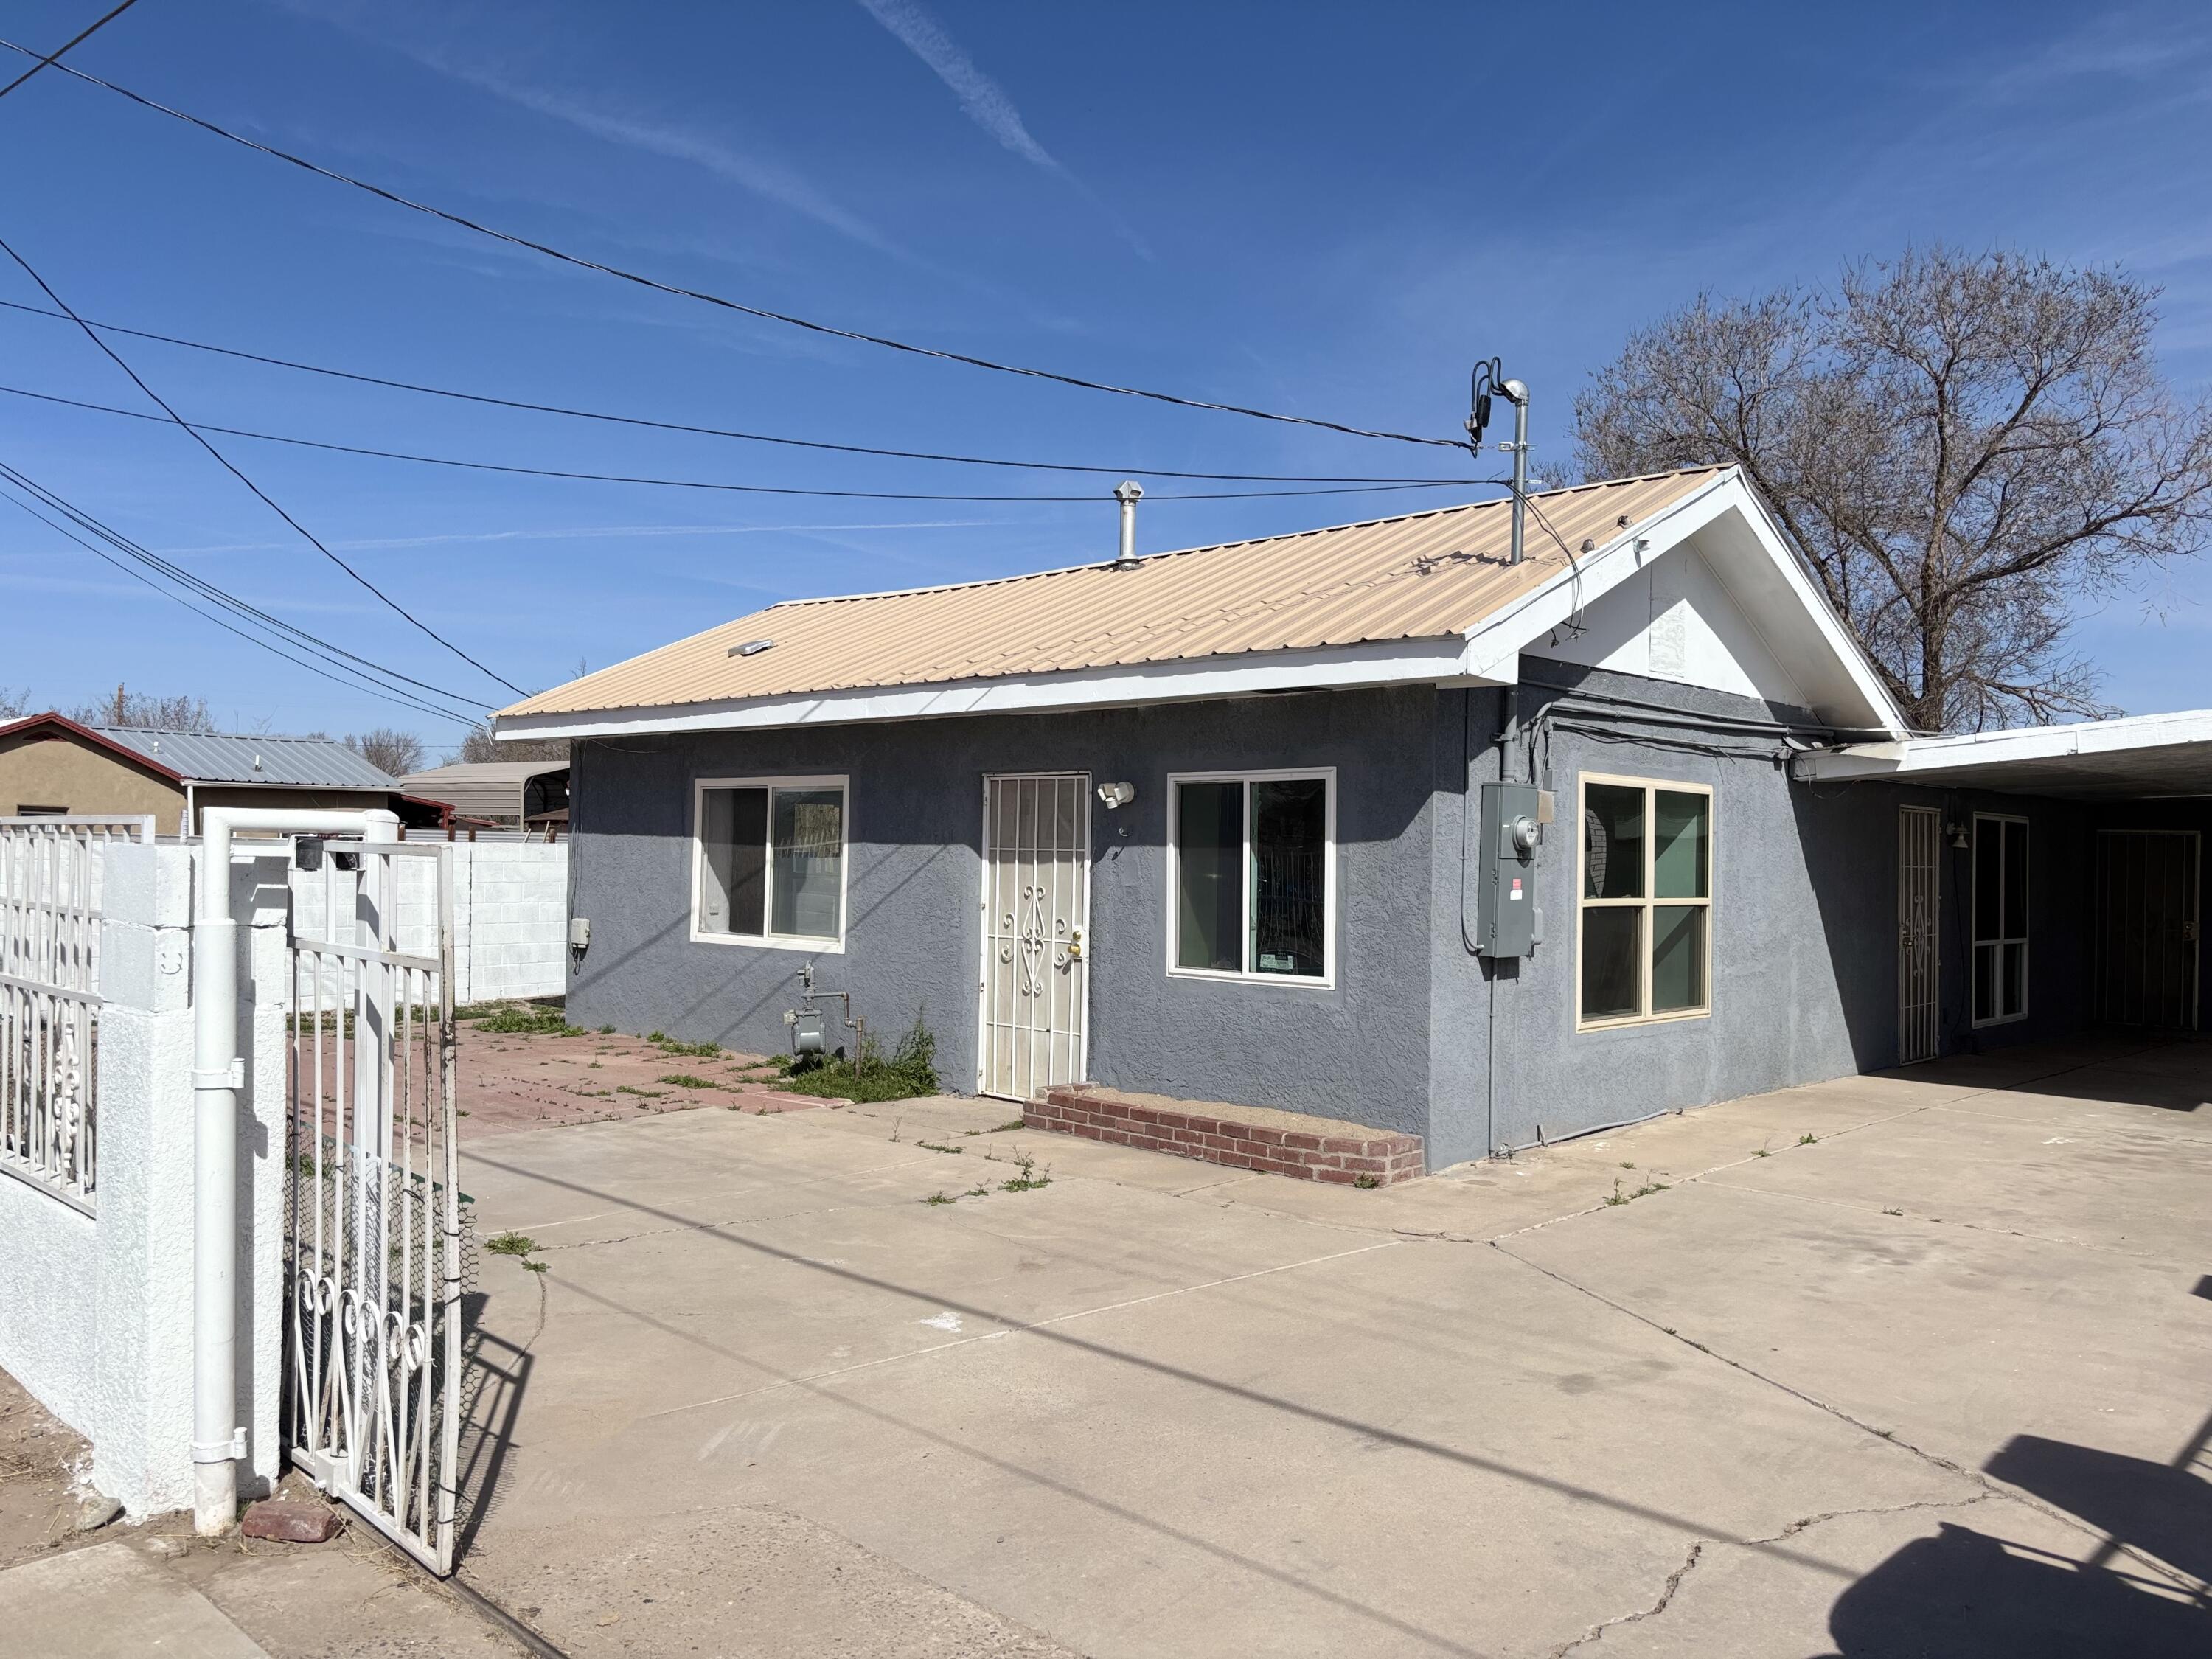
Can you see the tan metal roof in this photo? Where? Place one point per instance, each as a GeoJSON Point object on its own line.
{"type": "Point", "coordinates": [1425, 576]}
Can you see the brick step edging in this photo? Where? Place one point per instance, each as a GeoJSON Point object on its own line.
{"type": "Point", "coordinates": [1355, 1157]}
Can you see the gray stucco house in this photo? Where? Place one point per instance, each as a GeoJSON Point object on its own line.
{"type": "Point", "coordinates": [1222, 825]}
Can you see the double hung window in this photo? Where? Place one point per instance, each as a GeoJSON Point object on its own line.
{"type": "Point", "coordinates": [1999, 919]}
{"type": "Point", "coordinates": [769, 862]}
{"type": "Point", "coordinates": [1645, 913]}
{"type": "Point", "coordinates": [1252, 875]}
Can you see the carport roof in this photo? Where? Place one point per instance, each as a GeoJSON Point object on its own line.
{"type": "Point", "coordinates": [2141, 757]}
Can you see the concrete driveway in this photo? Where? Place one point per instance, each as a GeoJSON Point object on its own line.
{"type": "Point", "coordinates": [1900, 1365]}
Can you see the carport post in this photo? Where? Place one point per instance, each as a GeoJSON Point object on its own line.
{"type": "Point", "coordinates": [218, 1073]}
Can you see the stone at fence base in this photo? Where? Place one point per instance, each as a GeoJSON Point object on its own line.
{"type": "Point", "coordinates": [290, 1521]}
{"type": "Point", "coordinates": [95, 1510]}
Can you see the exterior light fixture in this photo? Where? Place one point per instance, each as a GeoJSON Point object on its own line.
{"type": "Point", "coordinates": [1117, 795]}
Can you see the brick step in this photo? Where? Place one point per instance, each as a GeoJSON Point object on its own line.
{"type": "Point", "coordinates": [1259, 1137]}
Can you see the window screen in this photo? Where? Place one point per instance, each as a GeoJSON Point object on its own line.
{"type": "Point", "coordinates": [772, 861]}
{"type": "Point", "coordinates": [1645, 901]}
{"type": "Point", "coordinates": [1252, 876]}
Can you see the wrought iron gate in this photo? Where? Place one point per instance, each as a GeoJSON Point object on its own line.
{"type": "Point", "coordinates": [1919, 895]}
{"type": "Point", "coordinates": [373, 1239]}
{"type": "Point", "coordinates": [1037, 901]}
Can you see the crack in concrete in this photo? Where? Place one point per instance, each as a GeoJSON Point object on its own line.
{"type": "Point", "coordinates": [1809, 1521]}
{"type": "Point", "coordinates": [1597, 1632]}
{"type": "Point", "coordinates": [1990, 1486]}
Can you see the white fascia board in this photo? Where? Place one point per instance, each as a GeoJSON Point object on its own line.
{"type": "Point", "coordinates": [1393, 662]}
{"type": "Point", "coordinates": [2027, 743]}
{"type": "Point", "coordinates": [1495, 644]}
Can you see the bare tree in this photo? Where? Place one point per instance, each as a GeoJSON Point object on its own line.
{"type": "Point", "coordinates": [1964, 449]}
{"type": "Point", "coordinates": [146, 711]}
{"type": "Point", "coordinates": [14, 703]}
{"type": "Point", "coordinates": [480, 746]}
{"type": "Point", "coordinates": [389, 749]}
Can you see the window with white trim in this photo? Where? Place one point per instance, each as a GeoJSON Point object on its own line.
{"type": "Point", "coordinates": [1643, 915]}
{"type": "Point", "coordinates": [1252, 875]}
{"type": "Point", "coordinates": [1999, 919]}
{"type": "Point", "coordinates": [769, 862]}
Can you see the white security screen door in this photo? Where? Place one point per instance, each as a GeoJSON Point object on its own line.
{"type": "Point", "coordinates": [1919, 839]}
{"type": "Point", "coordinates": [1036, 905]}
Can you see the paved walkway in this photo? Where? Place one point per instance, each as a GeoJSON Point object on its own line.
{"type": "Point", "coordinates": [1911, 1364]}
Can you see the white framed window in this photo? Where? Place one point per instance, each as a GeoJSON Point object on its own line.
{"type": "Point", "coordinates": [1999, 919]}
{"type": "Point", "coordinates": [1252, 876]}
{"type": "Point", "coordinates": [767, 862]}
{"type": "Point", "coordinates": [1644, 910]}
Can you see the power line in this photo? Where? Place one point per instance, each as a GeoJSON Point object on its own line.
{"type": "Point", "coordinates": [225, 462]}
{"type": "Point", "coordinates": [497, 402]}
{"type": "Point", "coordinates": [71, 44]}
{"type": "Point", "coordinates": [337, 655]}
{"type": "Point", "coordinates": [252, 639]}
{"type": "Point", "coordinates": [702, 483]}
{"type": "Point", "coordinates": [678, 291]}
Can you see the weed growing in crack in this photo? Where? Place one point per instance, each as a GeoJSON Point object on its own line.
{"type": "Point", "coordinates": [933, 1146]}
{"type": "Point", "coordinates": [1808, 1140]}
{"type": "Point", "coordinates": [685, 1080]}
{"type": "Point", "coordinates": [1625, 1164]}
{"type": "Point", "coordinates": [940, 1198]}
{"type": "Point", "coordinates": [1028, 1180]}
{"type": "Point", "coordinates": [649, 1094]}
{"type": "Point", "coordinates": [520, 1246]}
{"type": "Point", "coordinates": [1893, 1213]}
{"type": "Point", "coordinates": [1366, 1183]}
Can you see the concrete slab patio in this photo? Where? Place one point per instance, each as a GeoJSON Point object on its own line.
{"type": "Point", "coordinates": [1906, 1364]}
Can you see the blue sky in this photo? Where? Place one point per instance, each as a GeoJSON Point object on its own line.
{"type": "Point", "coordinates": [1317, 208]}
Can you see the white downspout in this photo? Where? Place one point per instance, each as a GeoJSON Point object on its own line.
{"type": "Point", "coordinates": [218, 1073]}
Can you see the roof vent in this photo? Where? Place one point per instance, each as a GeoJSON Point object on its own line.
{"type": "Point", "coordinates": [1128, 492]}
{"type": "Point", "coordinates": [257, 763]}
{"type": "Point", "coordinates": [750, 648]}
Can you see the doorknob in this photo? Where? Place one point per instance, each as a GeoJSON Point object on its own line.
{"type": "Point", "coordinates": [1075, 943]}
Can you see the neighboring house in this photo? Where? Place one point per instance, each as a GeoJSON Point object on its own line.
{"type": "Point", "coordinates": [513, 795]}
{"type": "Point", "coordinates": [1222, 824]}
{"type": "Point", "coordinates": [51, 766]}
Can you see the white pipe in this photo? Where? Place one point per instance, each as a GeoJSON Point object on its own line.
{"type": "Point", "coordinates": [218, 1073]}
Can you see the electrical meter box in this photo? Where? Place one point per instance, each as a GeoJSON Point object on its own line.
{"type": "Point", "coordinates": [1508, 922]}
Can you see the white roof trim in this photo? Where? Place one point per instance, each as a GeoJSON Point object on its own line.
{"type": "Point", "coordinates": [1905, 758]}
{"type": "Point", "coordinates": [1488, 654]}
{"type": "Point", "coordinates": [1394, 662]}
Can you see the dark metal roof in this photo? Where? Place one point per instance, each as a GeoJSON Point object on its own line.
{"type": "Point", "coordinates": [206, 757]}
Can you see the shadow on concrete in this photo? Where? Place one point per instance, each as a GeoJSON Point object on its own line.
{"type": "Point", "coordinates": [1962, 1595]}
{"type": "Point", "coordinates": [495, 1376]}
{"type": "Point", "coordinates": [2163, 1508]}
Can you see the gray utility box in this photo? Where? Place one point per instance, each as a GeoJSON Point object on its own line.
{"type": "Point", "coordinates": [1508, 922]}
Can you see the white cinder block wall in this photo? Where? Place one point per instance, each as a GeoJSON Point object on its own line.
{"type": "Point", "coordinates": [510, 915]}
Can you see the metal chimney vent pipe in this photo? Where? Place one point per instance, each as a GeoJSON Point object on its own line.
{"type": "Point", "coordinates": [1127, 492]}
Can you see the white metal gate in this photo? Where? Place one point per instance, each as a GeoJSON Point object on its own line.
{"type": "Point", "coordinates": [1036, 905]}
{"type": "Point", "coordinates": [1919, 908]}
{"type": "Point", "coordinates": [374, 1241]}
{"type": "Point", "coordinates": [50, 921]}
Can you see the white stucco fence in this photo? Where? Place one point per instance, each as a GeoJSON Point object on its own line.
{"type": "Point", "coordinates": [96, 1310]}
{"type": "Point", "coordinates": [510, 915]}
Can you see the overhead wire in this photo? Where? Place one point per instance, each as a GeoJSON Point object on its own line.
{"type": "Point", "coordinates": [703, 483]}
{"type": "Point", "coordinates": [679, 291]}
{"type": "Point", "coordinates": [137, 575]}
{"type": "Point", "coordinates": [69, 45]}
{"type": "Point", "coordinates": [498, 402]}
{"type": "Point", "coordinates": [388, 680]}
{"type": "Point", "coordinates": [229, 466]}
